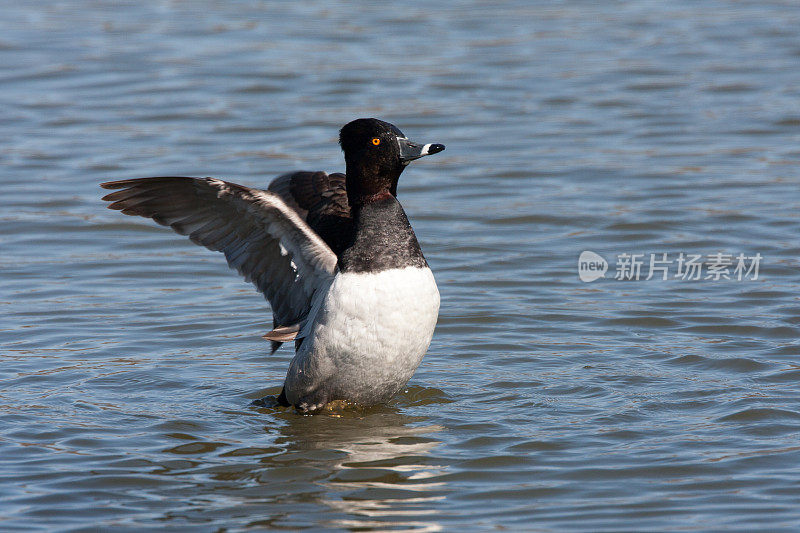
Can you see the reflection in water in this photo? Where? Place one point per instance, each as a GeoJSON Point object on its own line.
{"type": "Point", "coordinates": [381, 473]}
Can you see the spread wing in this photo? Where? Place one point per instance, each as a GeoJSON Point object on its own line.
{"type": "Point", "coordinates": [265, 240]}
{"type": "Point", "coordinates": [321, 200]}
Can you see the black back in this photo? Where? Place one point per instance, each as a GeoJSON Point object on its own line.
{"type": "Point", "coordinates": [321, 200]}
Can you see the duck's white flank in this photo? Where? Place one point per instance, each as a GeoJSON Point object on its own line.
{"type": "Point", "coordinates": [365, 337]}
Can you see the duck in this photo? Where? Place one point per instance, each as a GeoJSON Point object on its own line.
{"type": "Point", "coordinates": [333, 254]}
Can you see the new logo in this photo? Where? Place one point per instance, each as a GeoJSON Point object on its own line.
{"type": "Point", "coordinates": [591, 266]}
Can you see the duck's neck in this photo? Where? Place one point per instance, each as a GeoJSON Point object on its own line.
{"type": "Point", "coordinates": [361, 200]}
{"type": "Point", "coordinates": [370, 183]}
{"type": "Point", "coordinates": [382, 238]}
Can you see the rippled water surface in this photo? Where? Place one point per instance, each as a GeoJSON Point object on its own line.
{"type": "Point", "coordinates": [129, 355]}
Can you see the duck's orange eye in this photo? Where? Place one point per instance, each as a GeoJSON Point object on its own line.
{"type": "Point", "coordinates": [376, 141]}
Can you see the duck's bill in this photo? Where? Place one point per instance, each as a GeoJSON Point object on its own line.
{"type": "Point", "coordinates": [409, 150]}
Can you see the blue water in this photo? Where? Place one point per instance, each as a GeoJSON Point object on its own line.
{"type": "Point", "coordinates": [129, 355]}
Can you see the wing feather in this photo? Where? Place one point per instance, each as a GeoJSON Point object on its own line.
{"type": "Point", "coordinates": [265, 240]}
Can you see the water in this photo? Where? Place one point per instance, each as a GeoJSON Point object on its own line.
{"type": "Point", "coordinates": [129, 355]}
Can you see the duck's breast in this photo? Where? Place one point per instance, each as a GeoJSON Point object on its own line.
{"type": "Point", "coordinates": [368, 336]}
